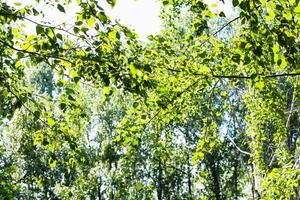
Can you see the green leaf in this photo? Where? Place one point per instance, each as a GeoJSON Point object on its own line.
{"type": "Point", "coordinates": [62, 106]}
{"type": "Point", "coordinates": [76, 30]}
{"type": "Point", "coordinates": [106, 90]}
{"type": "Point", "coordinates": [133, 70]}
{"type": "Point", "coordinates": [135, 104]}
{"type": "Point", "coordinates": [35, 12]}
{"type": "Point", "coordinates": [50, 121]}
{"type": "Point", "coordinates": [129, 34]}
{"type": "Point", "coordinates": [150, 37]}
{"type": "Point", "coordinates": [259, 85]}
{"type": "Point", "coordinates": [111, 2]}
{"type": "Point", "coordinates": [73, 74]}
{"type": "Point", "coordinates": [283, 64]}
{"type": "Point", "coordinates": [235, 3]}
{"type": "Point", "coordinates": [61, 8]}
{"type": "Point", "coordinates": [59, 36]}
{"type": "Point", "coordinates": [275, 48]}
{"type": "Point", "coordinates": [138, 186]}
{"type": "Point", "coordinates": [297, 9]}
{"type": "Point", "coordinates": [18, 3]}
{"type": "Point", "coordinates": [165, 2]}
{"type": "Point", "coordinates": [118, 138]}
{"type": "Point", "coordinates": [39, 29]}
{"type": "Point", "coordinates": [222, 14]}
{"type": "Point", "coordinates": [39, 137]}
{"type": "Point", "coordinates": [127, 140]}
{"type": "Point", "coordinates": [37, 114]}
{"type": "Point", "coordinates": [204, 69]}
{"type": "Point", "coordinates": [50, 33]}
{"type": "Point", "coordinates": [214, 5]}
{"type": "Point", "coordinates": [52, 162]}
{"type": "Point", "coordinates": [270, 15]}
{"type": "Point", "coordinates": [102, 17]}
{"type": "Point", "coordinates": [84, 29]}
{"type": "Point", "coordinates": [90, 22]}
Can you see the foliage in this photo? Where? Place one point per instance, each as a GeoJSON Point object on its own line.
{"type": "Point", "coordinates": [90, 112]}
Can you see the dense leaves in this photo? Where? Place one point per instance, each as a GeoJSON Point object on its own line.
{"type": "Point", "coordinates": [206, 109]}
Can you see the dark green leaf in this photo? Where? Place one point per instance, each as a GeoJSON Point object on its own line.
{"type": "Point", "coordinates": [61, 8]}
{"type": "Point", "coordinates": [235, 3]}
{"type": "Point", "coordinates": [39, 29]}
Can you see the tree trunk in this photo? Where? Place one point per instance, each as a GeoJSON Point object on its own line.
{"type": "Point", "coordinates": [160, 184]}
{"type": "Point", "coordinates": [189, 176]}
{"type": "Point", "coordinates": [235, 180]}
{"type": "Point", "coordinates": [215, 175]}
{"type": "Point", "coordinates": [255, 184]}
{"type": "Point", "coordinates": [99, 189]}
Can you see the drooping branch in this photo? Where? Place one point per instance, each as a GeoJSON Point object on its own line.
{"type": "Point", "coordinates": [251, 77]}
{"type": "Point", "coordinates": [240, 76]}
{"type": "Point", "coordinates": [236, 146]}
{"type": "Point", "coordinates": [35, 53]}
{"type": "Point", "coordinates": [37, 23]}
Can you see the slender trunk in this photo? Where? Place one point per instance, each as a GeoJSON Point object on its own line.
{"type": "Point", "coordinates": [99, 189]}
{"type": "Point", "coordinates": [253, 183]}
{"type": "Point", "coordinates": [256, 184]}
{"type": "Point", "coordinates": [189, 176]}
{"type": "Point", "coordinates": [235, 180]}
{"type": "Point", "coordinates": [215, 175]}
{"type": "Point", "coordinates": [160, 186]}
{"type": "Point", "coordinates": [288, 125]}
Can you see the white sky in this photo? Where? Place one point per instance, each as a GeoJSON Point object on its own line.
{"type": "Point", "coordinates": [141, 15]}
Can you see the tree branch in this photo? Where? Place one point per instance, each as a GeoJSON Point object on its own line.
{"type": "Point", "coordinates": [250, 77]}
{"type": "Point", "coordinates": [240, 76]}
{"type": "Point", "coordinates": [236, 146]}
{"type": "Point", "coordinates": [225, 25]}
{"type": "Point", "coordinates": [37, 23]}
{"type": "Point", "coordinates": [34, 53]}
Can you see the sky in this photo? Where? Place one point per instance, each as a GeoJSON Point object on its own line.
{"type": "Point", "coordinates": [141, 15]}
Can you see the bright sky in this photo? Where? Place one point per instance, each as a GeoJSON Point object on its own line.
{"type": "Point", "coordinates": [141, 15]}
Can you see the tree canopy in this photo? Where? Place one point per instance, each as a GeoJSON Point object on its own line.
{"type": "Point", "coordinates": [206, 109]}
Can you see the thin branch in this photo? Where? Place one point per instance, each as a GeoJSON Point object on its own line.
{"type": "Point", "coordinates": [35, 53]}
{"type": "Point", "coordinates": [225, 25]}
{"type": "Point", "coordinates": [272, 160]}
{"type": "Point", "coordinates": [250, 77]}
{"type": "Point", "coordinates": [236, 146]}
{"type": "Point", "coordinates": [37, 23]}
{"type": "Point", "coordinates": [239, 76]}
{"type": "Point", "coordinates": [291, 111]}
{"type": "Point", "coordinates": [296, 165]}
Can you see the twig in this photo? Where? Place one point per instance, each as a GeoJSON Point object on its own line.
{"type": "Point", "coordinates": [236, 146]}
{"type": "Point", "coordinates": [35, 53]}
{"type": "Point", "coordinates": [225, 25]}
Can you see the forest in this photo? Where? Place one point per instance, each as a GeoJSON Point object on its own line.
{"type": "Point", "coordinates": [206, 109]}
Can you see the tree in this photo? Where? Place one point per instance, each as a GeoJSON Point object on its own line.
{"type": "Point", "coordinates": [90, 111]}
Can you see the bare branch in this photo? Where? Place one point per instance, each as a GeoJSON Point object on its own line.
{"type": "Point", "coordinates": [236, 146]}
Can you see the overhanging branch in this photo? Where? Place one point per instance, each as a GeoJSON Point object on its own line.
{"type": "Point", "coordinates": [240, 76]}
{"type": "Point", "coordinates": [251, 77]}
